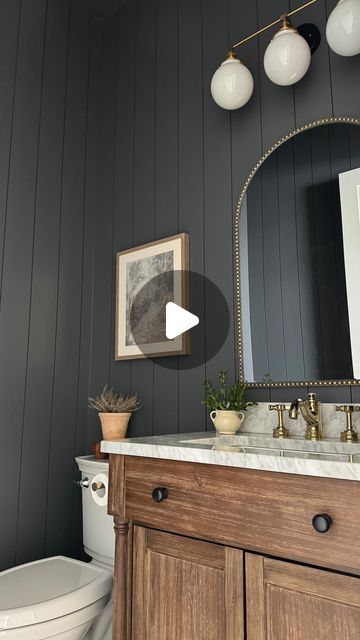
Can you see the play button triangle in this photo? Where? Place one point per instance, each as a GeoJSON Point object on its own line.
{"type": "Point", "coordinates": [178, 320]}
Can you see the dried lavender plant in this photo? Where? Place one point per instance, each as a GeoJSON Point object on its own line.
{"type": "Point", "coordinates": [110, 402]}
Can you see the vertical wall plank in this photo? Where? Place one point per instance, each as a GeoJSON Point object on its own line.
{"type": "Point", "coordinates": [317, 81]}
{"type": "Point", "coordinates": [9, 35]}
{"type": "Point", "coordinates": [218, 230]}
{"type": "Point", "coordinates": [102, 347]}
{"type": "Point", "coordinates": [272, 271]}
{"type": "Point", "coordinates": [81, 446]}
{"type": "Point", "coordinates": [38, 396]}
{"type": "Point", "coordinates": [304, 222]}
{"type": "Point", "coordinates": [166, 380]}
{"type": "Point", "coordinates": [293, 339]}
{"type": "Point", "coordinates": [17, 258]}
{"type": "Point", "coordinates": [124, 166]}
{"type": "Point", "coordinates": [246, 140]}
{"type": "Point", "coordinates": [257, 290]}
{"type": "Point", "coordinates": [144, 185]}
{"type": "Point", "coordinates": [191, 197]}
{"type": "Point", "coordinates": [67, 349]}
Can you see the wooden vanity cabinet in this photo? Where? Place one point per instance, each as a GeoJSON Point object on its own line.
{"type": "Point", "coordinates": [220, 537]}
{"type": "Point", "coordinates": [185, 589]}
{"type": "Point", "coordinates": [292, 602]}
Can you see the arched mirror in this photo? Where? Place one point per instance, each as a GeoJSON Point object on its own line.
{"type": "Point", "coordinates": [297, 260]}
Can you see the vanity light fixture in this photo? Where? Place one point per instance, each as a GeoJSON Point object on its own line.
{"type": "Point", "coordinates": [286, 61]}
{"type": "Point", "coordinates": [343, 28]}
{"type": "Point", "coordinates": [288, 56]}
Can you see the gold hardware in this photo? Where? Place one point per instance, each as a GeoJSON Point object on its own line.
{"type": "Point", "coordinates": [293, 413]}
{"type": "Point", "coordinates": [97, 486]}
{"type": "Point", "coordinates": [282, 19]}
{"type": "Point", "coordinates": [280, 431]}
{"type": "Point", "coordinates": [312, 433]}
{"type": "Point", "coordinates": [349, 435]}
{"type": "Point", "coordinates": [286, 24]}
{"type": "Point", "coordinates": [313, 402]}
{"type": "Point", "coordinates": [231, 55]}
{"type": "Point", "coordinates": [311, 412]}
{"type": "Point", "coordinates": [276, 145]}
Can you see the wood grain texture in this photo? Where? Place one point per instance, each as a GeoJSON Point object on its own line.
{"type": "Point", "coordinates": [255, 602]}
{"type": "Point", "coordinates": [116, 499]}
{"type": "Point", "coordinates": [299, 602]}
{"type": "Point", "coordinates": [122, 580]}
{"type": "Point", "coordinates": [268, 512]}
{"type": "Point", "coordinates": [183, 589]}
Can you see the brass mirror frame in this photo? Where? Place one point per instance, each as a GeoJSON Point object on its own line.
{"type": "Point", "coordinates": [239, 339]}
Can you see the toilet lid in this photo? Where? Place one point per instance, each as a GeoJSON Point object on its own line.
{"type": "Point", "coordinates": [49, 588]}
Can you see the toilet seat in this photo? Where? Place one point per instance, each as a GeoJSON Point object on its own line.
{"type": "Point", "coordinates": [47, 589]}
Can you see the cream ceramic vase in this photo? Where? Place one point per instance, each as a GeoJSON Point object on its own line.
{"type": "Point", "coordinates": [114, 425]}
{"type": "Point", "coordinates": [227, 423]}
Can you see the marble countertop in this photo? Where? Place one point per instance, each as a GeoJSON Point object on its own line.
{"type": "Point", "coordinates": [328, 458]}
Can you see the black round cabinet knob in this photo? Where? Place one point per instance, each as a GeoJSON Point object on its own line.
{"type": "Point", "coordinates": [160, 493]}
{"type": "Point", "coordinates": [322, 522]}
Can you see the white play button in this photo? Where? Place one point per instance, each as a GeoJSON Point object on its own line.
{"type": "Point", "coordinates": [178, 320]}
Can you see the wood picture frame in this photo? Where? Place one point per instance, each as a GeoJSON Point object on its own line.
{"type": "Point", "coordinates": [140, 306]}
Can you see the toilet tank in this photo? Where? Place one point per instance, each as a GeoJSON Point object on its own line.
{"type": "Point", "coordinates": [98, 526]}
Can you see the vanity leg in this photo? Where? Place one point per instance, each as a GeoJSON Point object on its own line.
{"type": "Point", "coordinates": [122, 580]}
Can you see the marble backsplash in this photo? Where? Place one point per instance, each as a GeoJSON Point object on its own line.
{"type": "Point", "coordinates": [259, 419]}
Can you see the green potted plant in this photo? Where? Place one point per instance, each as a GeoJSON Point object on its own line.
{"type": "Point", "coordinates": [226, 404]}
{"type": "Point", "coordinates": [114, 412]}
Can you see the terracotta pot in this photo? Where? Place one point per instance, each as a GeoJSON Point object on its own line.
{"type": "Point", "coordinates": [227, 423]}
{"type": "Point", "coordinates": [114, 425]}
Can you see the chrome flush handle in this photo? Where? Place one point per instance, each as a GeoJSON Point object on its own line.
{"type": "Point", "coordinates": [84, 484]}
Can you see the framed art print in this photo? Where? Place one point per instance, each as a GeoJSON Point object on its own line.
{"type": "Point", "coordinates": [147, 278]}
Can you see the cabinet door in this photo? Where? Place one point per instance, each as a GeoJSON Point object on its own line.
{"type": "Point", "coordinates": [288, 601]}
{"type": "Point", "coordinates": [185, 589]}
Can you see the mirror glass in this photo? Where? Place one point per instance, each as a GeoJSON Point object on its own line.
{"type": "Point", "coordinates": [299, 248]}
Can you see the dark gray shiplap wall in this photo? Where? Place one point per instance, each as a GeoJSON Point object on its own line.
{"type": "Point", "coordinates": [170, 160]}
{"type": "Point", "coordinates": [44, 95]}
{"type": "Point", "coordinates": [94, 163]}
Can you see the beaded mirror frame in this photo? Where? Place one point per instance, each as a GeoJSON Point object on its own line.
{"type": "Point", "coordinates": [239, 338]}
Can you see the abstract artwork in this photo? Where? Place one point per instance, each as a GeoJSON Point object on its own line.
{"type": "Point", "coordinates": [147, 278]}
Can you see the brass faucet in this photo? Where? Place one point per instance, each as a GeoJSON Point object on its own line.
{"type": "Point", "coordinates": [311, 412]}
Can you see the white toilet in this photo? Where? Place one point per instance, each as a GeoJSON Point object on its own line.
{"type": "Point", "coordinates": [59, 597]}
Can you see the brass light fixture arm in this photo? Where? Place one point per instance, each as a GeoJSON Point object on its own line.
{"type": "Point", "coordinates": [272, 24]}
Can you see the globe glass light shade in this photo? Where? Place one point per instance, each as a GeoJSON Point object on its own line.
{"type": "Point", "coordinates": [287, 58]}
{"type": "Point", "coordinates": [343, 28]}
{"type": "Point", "coordinates": [232, 84]}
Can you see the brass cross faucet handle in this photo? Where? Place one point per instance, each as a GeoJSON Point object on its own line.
{"type": "Point", "coordinates": [280, 431]}
{"type": "Point", "coordinates": [349, 435]}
